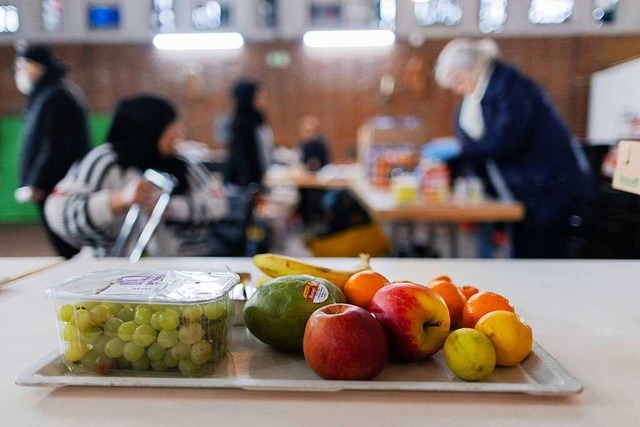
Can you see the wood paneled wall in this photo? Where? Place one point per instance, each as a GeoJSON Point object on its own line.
{"type": "Point", "coordinates": [341, 89]}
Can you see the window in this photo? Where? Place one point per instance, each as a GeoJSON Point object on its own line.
{"type": "Point", "coordinates": [438, 12]}
{"type": "Point", "coordinates": [386, 14]}
{"type": "Point", "coordinates": [550, 11]}
{"type": "Point", "coordinates": [163, 19]}
{"type": "Point", "coordinates": [493, 15]}
{"type": "Point", "coordinates": [325, 14]}
{"type": "Point", "coordinates": [9, 21]}
{"type": "Point", "coordinates": [374, 14]}
{"type": "Point", "coordinates": [52, 16]}
{"type": "Point", "coordinates": [604, 11]}
{"type": "Point", "coordinates": [268, 13]}
{"type": "Point", "coordinates": [210, 15]}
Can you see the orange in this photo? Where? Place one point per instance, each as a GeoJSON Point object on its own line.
{"type": "Point", "coordinates": [361, 287]}
{"type": "Point", "coordinates": [482, 303]}
{"type": "Point", "coordinates": [439, 278]}
{"type": "Point", "coordinates": [469, 291]}
{"type": "Point", "coordinates": [453, 297]}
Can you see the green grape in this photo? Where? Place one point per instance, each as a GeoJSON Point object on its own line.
{"type": "Point", "coordinates": [126, 314]}
{"type": "Point", "coordinates": [191, 333]}
{"type": "Point", "coordinates": [215, 310]}
{"type": "Point", "coordinates": [123, 363]}
{"type": "Point", "coordinates": [141, 364]}
{"type": "Point", "coordinates": [144, 335]}
{"type": "Point", "coordinates": [143, 315]}
{"type": "Point", "coordinates": [155, 320]}
{"type": "Point", "coordinates": [114, 348]}
{"type": "Point", "coordinates": [158, 366]}
{"type": "Point", "coordinates": [89, 360]}
{"type": "Point", "coordinates": [100, 343]}
{"type": "Point", "coordinates": [188, 368]}
{"type": "Point", "coordinates": [126, 330]}
{"type": "Point", "coordinates": [156, 352]}
{"type": "Point", "coordinates": [132, 351]}
{"type": "Point", "coordinates": [167, 339]}
{"type": "Point", "coordinates": [65, 312]}
{"type": "Point", "coordinates": [200, 352]}
{"type": "Point", "coordinates": [90, 335]}
{"type": "Point", "coordinates": [192, 313]}
{"type": "Point", "coordinates": [216, 331]}
{"type": "Point", "coordinates": [99, 314]}
{"type": "Point", "coordinates": [87, 305]}
{"type": "Point", "coordinates": [170, 319]}
{"type": "Point", "coordinates": [111, 326]}
{"type": "Point", "coordinates": [114, 308]}
{"type": "Point", "coordinates": [70, 332]}
{"type": "Point", "coordinates": [158, 307]}
{"type": "Point", "coordinates": [180, 351]}
{"type": "Point", "coordinates": [82, 319]}
{"type": "Point", "coordinates": [75, 351]}
{"type": "Point", "coordinates": [169, 360]}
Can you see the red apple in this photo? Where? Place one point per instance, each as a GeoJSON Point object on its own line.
{"type": "Point", "coordinates": [415, 318]}
{"type": "Point", "coordinates": [345, 342]}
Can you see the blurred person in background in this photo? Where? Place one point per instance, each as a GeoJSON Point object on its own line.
{"type": "Point", "coordinates": [508, 125]}
{"type": "Point", "coordinates": [88, 206]}
{"type": "Point", "coordinates": [315, 153]}
{"type": "Point", "coordinates": [55, 132]}
{"type": "Point", "coordinates": [251, 139]}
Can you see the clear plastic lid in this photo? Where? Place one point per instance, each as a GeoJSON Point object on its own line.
{"type": "Point", "coordinates": [158, 287]}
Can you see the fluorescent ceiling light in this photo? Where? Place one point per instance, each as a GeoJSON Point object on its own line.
{"type": "Point", "coordinates": [349, 38]}
{"type": "Point", "coordinates": [195, 41]}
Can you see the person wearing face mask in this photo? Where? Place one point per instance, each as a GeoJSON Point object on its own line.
{"type": "Point", "coordinates": [507, 125]}
{"type": "Point", "coordinates": [55, 132]}
{"type": "Point", "coordinates": [87, 208]}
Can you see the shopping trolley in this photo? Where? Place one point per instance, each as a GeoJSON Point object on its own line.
{"type": "Point", "coordinates": [166, 183]}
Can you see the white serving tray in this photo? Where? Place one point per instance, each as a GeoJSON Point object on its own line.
{"type": "Point", "coordinates": [252, 365]}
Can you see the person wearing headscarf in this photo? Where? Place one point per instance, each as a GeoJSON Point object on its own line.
{"type": "Point", "coordinates": [88, 206]}
{"type": "Point", "coordinates": [251, 139]}
{"type": "Point", "coordinates": [507, 124]}
{"type": "Point", "coordinates": [55, 131]}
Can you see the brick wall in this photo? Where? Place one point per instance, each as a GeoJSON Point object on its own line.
{"type": "Point", "coordinates": [342, 90]}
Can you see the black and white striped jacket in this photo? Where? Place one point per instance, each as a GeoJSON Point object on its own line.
{"type": "Point", "coordinates": [79, 211]}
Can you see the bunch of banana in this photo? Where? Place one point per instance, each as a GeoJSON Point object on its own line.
{"type": "Point", "coordinates": [274, 265]}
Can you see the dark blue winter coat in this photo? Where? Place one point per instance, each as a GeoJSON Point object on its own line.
{"type": "Point", "coordinates": [530, 144]}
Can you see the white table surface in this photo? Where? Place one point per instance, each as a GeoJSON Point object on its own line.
{"type": "Point", "coordinates": [585, 313]}
{"type": "Point", "coordinates": [12, 268]}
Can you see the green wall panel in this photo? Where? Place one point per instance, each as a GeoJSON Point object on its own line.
{"type": "Point", "coordinates": [10, 139]}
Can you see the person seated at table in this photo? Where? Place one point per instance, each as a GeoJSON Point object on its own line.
{"type": "Point", "coordinates": [87, 208]}
{"type": "Point", "coordinates": [314, 155]}
{"type": "Point", "coordinates": [313, 146]}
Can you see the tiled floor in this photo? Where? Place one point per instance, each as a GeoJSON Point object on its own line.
{"type": "Point", "coordinates": [24, 240]}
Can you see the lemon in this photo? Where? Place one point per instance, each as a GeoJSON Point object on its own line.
{"type": "Point", "coordinates": [510, 335]}
{"type": "Point", "coordinates": [469, 354]}
{"type": "Point", "coordinates": [278, 311]}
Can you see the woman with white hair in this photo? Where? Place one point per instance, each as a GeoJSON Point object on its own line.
{"type": "Point", "coordinates": [508, 124]}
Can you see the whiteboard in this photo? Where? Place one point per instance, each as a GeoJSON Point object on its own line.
{"type": "Point", "coordinates": [614, 103]}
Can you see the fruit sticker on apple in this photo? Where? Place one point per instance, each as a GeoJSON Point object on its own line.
{"type": "Point", "coordinates": [415, 318]}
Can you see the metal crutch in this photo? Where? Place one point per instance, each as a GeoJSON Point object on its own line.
{"type": "Point", "coordinates": [166, 183]}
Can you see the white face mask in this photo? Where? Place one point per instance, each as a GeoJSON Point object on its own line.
{"type": "Point", "coordinates": [24, 83]}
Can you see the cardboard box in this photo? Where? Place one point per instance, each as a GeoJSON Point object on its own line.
{"type": "Point", "coordinates": [390, 131]}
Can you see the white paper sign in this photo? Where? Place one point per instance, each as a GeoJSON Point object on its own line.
{"type": "Point", "coordinates": [627, 173]}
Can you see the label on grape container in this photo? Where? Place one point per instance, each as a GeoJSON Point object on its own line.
{"type": "Point", "coordinates": [315, 292]}
{"type": "Point", "coordinates": [137, 285]}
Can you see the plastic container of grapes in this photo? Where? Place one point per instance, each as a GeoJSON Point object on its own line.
{"type": "Point", "coordinates": [145, 323]}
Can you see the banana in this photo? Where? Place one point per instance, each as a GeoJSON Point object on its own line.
{"type": "Point", "coordinates": [275, 265]}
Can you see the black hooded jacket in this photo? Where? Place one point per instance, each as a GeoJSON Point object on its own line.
{"type": "Point", "coordinates": [55, 132]}
{"type": "Point", "coordinates": [244, 165]}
